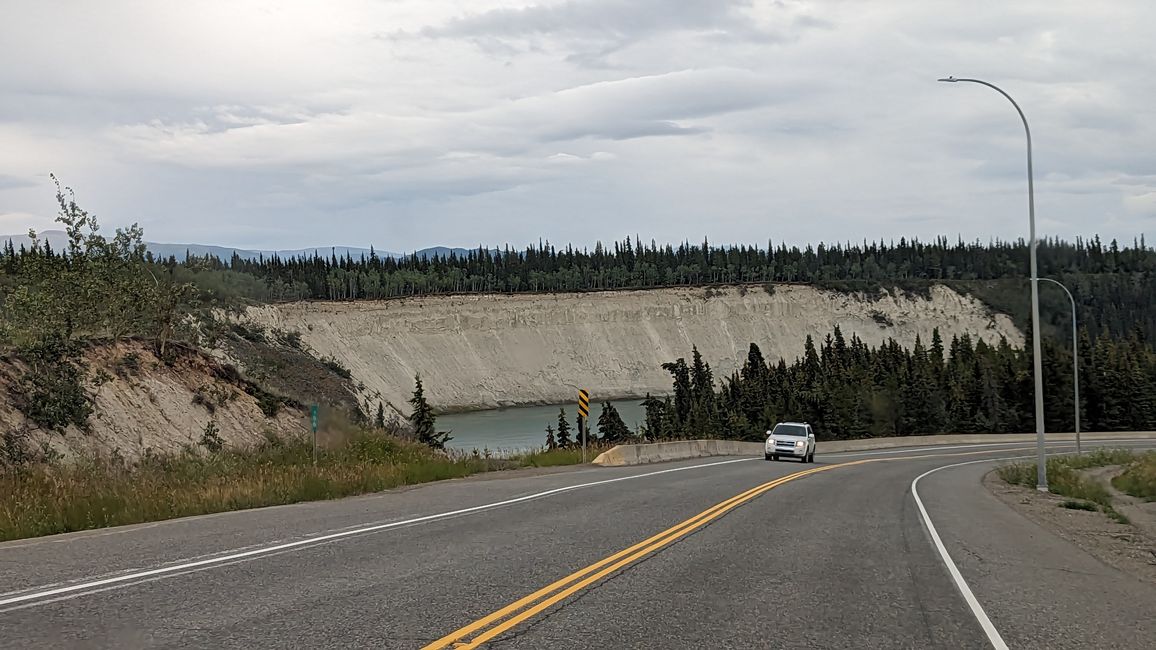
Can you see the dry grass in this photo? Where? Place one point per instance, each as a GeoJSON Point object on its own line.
{"type": "Point", "coordinates": [554, 457]}
{"type": "Point", "coordinates": [1139, 477]}
{"type": "Point", "coordinates": [1065, 479]}
{"type": "Point", "coordinates": [47, 499]}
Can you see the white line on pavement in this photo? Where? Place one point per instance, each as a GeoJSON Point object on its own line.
{"type": "Point", "coordinates": [976, 609]}
{"type": "Point", "coordinates": [78, 589]}
{"type": "Point", "coordinates": [229, 557]}
{"type": "Point", "coordinates": [1050, 443]}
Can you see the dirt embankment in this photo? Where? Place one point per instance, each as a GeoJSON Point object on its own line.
{"type": "Point", "coordinates": [485, 351]}
{"type": "Point", "coordinates": [141, 403]}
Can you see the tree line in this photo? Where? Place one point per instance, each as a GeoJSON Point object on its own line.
{"type": "Point", "coordinates": [848, 390]}
{"type": "Point", "coordinates": [631, 264]}
{"type": "Point", "coordinates": [1113, 284]}
{"type": "Point", "coordinates": [53, 302]}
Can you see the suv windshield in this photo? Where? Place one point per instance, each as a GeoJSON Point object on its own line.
{"type": "Point", "coordinates": [789, 430]}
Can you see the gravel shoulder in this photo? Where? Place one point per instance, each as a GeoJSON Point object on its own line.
{"type": "Point", "coordinates": [1131, 548]}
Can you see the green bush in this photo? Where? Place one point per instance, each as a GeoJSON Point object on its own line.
{"type": "Point", "coordinates": [1072, 504]}
{"type": "Point", "coordinates": [337, 367]}
{"type": "Point", "coordinates": [1116, 516]}
{"type": "Point", "coordinates": [52, 395]}
{"type": "Point", "coordinates": [249, 332]}
{"type": "Point", "coordinates": [1064, 477]}
{"type": "Point", "coordinates": [1139, 477]}
{"type": "Point", "coordinates": [289, 338]}
{"type": "Point", "coordinates": [127, 365]}
{"type": "Point", "coordinates": [211, 438]}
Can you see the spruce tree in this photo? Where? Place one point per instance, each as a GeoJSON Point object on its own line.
{"type": "Point", "coordinates": [423, 421]}
{"type": "Point", "coordinates": [551, 441]}
{"type": "Point", "coordinates": [611, 428]}
{"type": "Point", "coordinates": [564, 440]}
{"type": "Point", "coordinates": [653, 426]}
{"type": "Point", "coordinates": [379, 420]}
{"type": "Point", "coordinates": [682, 392]}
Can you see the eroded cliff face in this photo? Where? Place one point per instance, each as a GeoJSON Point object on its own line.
{"type": "Point", "coordinates": [485, 351]}
{"type": "Point", "coordinates": [144, 405]}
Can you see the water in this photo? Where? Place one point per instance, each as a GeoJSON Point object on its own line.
{"type": "Point", "coordinates": [524, 427]}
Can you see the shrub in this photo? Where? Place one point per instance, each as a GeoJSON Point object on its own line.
{"type": "Point", "coordinates": [289, 338]}
{"type": "Point", "coordinates": [249, 332]}
{"type": "Point", "coordinates": [1072, 504]}
{"type": "Point", "coordinates": [883, 320]}
{"type": "Point", "coordinates": [1065, 479]}
{"type": "Point", "coordinates": [127, 365]}
{"type": "Point", "coordinates": [269, 404]}
{"type": "Point", "coordinates": [211, 438]}
{"type": "Point", "coordinates": [211, 396]}
{"type": "Point", "coordinates": [336, 367]}
{"type": "Point", "coordinates": [53, 397]}
{"type": "Point", "coordinates": [1116, 516]}
{"type": "Point", "coordinates": [1139, 477]}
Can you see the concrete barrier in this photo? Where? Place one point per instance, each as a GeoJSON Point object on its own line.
{"type": "Point", "coordinates": [659, 452]}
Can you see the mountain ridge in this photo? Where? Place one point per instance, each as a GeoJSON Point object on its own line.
{"type": "Point", "coordinates": [56, 239]}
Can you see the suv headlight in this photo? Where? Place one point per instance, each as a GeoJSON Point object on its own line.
{"type": "Point", "coordinates": [800, 443]}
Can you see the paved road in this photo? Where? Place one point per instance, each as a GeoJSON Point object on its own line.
{"type": "Point", "coordinates": [840, 557]}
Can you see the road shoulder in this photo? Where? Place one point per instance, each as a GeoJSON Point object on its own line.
{"type": "Point", "coordinates": [1039, 589]}
{"type": "Point", "coordinates": [1126, 547]}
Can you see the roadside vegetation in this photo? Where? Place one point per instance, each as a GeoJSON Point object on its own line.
{"type": "Point", "coordinates": [40, 495]}
{"type": "Point", "coordinates": [1065, 477]}
{"type": "Point", "coordinates": [58, 303]}
{"type": "Point", "coordinates": [48, 498]}
{"type": "Point", "coordinates": [1139, 477]}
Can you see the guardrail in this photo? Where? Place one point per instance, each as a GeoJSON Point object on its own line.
{"type": "Point", "coordinates": [659, 452]}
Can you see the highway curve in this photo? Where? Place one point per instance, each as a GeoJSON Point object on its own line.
{"type": "Point", "coordinates": [709, 553]}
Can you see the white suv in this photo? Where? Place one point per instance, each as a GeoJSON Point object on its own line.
{"type": "Point", "coordinates": [794, 439]}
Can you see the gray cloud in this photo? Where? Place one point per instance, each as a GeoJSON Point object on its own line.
{"type": "Point", "coordinates": [611, 20]}
{"type": "Point", "coordinates": [420, 122]}
{"type": "Point", "coordinates": [13, 182]}
{"type": "Point", "coordinates": [593, 32]}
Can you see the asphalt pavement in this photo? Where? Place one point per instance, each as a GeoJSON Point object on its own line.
{"type": "Point", "coordinates": [839, 558]}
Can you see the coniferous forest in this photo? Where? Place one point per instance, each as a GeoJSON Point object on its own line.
{"type": "Point", "coordinates": [842, 386]}
{"type": "Point", "coordinates": [1113, 284]}
{"type": "Point", "coordinates": [847, 389]}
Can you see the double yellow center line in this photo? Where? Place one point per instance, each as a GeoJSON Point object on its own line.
{"type": "Point", "coordinates": [484, 629]}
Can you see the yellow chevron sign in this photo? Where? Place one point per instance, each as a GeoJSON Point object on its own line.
{"type": "Point", "coordinates": [583, 403]}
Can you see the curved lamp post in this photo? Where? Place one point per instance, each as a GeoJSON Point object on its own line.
{"type": "Point", "coordinates": [1075, 357]}
{"type": "Point", "coordinates": [1041, 464]}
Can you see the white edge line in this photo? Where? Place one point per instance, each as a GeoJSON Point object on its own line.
{"type": "Point", "coordinates": [1050, 444]}
{"type": "Point", "coordinates": [230, 557]}
{"type": "Point", "coordinates": [976, 609]}
{"type": "Point", "coordinates": [221, 559]}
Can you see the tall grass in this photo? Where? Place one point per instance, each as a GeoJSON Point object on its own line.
{"type": "Point", "coordinates": [46, 499]}
{"type": "Point", "coordinates": [1139, 477]}
{"type": "Point", "coordinates": [555, 457]}
{"type": "Point", "coordinates": [1065, 479]}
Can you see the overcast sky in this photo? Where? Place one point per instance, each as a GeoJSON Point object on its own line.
{"type": "Point", "coordinates": [412, 123]}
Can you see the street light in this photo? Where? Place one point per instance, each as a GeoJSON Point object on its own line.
{"type": "Point", "coordinates": [1075, 358]}
{"type": "Point", "coordinates": [1041, 464]}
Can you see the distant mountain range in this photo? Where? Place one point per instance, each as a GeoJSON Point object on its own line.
{"type": "Point", "coordinates": [56, 239]}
